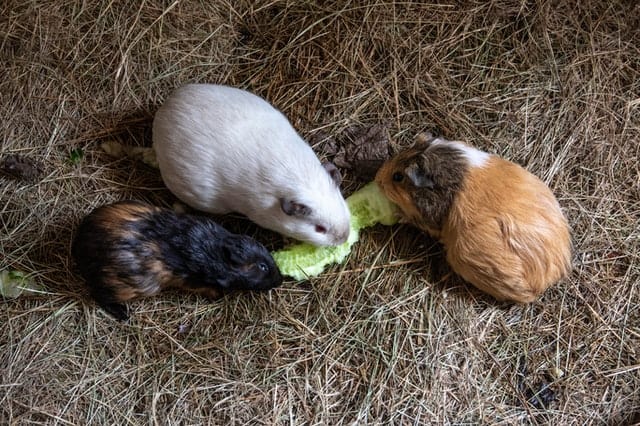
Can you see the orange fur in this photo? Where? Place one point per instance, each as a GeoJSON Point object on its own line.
{"type": "Point", "coordinates": [506, 233]}
{"type": "Point", "coordinates": [209, 293]}
{"type": "Point", "coordinates": [125, 213]}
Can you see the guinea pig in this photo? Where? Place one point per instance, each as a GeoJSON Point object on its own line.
{"type": "Point", "coordinates": [131, 249]}
{"type": "Point", "coordinates": [222, 149]}
{"type": "Point", "coordinates": [501, 227]}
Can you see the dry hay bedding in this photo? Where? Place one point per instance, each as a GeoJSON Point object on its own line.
{"type": "Point", "coordinates": [390, 336]}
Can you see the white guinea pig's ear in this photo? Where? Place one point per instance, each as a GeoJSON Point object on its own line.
{"type": "Point", "coordinates": [333, 172]}
{"type": "Point", "coordinates": [418, 177]}
{"type": "Point", "coordinates": [293, 208]}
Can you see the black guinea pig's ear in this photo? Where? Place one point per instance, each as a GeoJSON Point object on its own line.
{"type": "Point", "coordinates": [293, 208]}
{"type": "Point", "coordinates": [418, 177]}
{"type": "Point", "coordinates": [231, 254]}
{"type": "Point", "coordinates": [333, 172]}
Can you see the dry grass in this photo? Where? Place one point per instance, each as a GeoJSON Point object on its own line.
{"type": "Point", "coordinates": [388, 338]}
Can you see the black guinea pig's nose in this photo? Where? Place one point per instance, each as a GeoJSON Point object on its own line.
{"type": "Point", "coordinates": [277, 279]}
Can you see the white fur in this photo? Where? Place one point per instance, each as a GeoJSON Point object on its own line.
{"type": "Point", "coordinates": [475, 157]}
{"type": "Point", "coordinates": [222, 149]}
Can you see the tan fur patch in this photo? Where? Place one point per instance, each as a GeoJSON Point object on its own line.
{"type": "Point", "coordinates": [208, 293]}
{"type": "Point", "coordinates": [123, 290]}
{"type": "Point", "coordinates": [114, 216]}
{"type": "Point", "coordinates": [161, 277]}
{"type": "Point", "coordinates": [125, 293]}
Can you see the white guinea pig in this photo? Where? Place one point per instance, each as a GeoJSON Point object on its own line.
{"type": "Point", "coordinates": [222, 149]}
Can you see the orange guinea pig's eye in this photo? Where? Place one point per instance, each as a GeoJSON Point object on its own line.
{"type": "Point", "coordinates": [397, 177]}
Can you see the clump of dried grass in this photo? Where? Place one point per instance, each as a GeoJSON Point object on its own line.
{"type": "Point", "coordinates": [389, 337]}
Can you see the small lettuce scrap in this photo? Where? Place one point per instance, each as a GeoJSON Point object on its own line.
{"type": "Point", "coordinates": [13, 283]}
{"type": "Point", "coordinates": [368, 206]}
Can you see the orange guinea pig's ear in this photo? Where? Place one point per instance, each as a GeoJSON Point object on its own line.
{"type": "Point", "coordinates": [422, 140]}
{"type": "Point", "coordinates": [418, 177]}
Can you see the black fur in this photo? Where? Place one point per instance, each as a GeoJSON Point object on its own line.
{"type": "Point", "coordinates": [130, 249]}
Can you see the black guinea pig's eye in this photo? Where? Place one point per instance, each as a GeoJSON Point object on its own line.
{"type": "Point", "coordinates": [321, 229]}
{"type": "Point", "coordinates": [263, 267]}
{"type": "Point", "coordinates": [397, 177]}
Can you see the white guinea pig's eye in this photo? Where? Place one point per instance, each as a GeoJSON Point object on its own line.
{"type": "Point", "coordinates": [397, 177]}
{"type": "Point", "coordinates": [321, 229]}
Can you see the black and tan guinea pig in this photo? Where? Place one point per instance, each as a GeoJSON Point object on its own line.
{"type": "Point", "coordinates": [501, 227]}
{"type": "Point", "coordinates": [130, 249]}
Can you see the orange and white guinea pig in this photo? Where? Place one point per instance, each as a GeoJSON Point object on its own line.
{"type": "Point", "coordinates": [502, 228]}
